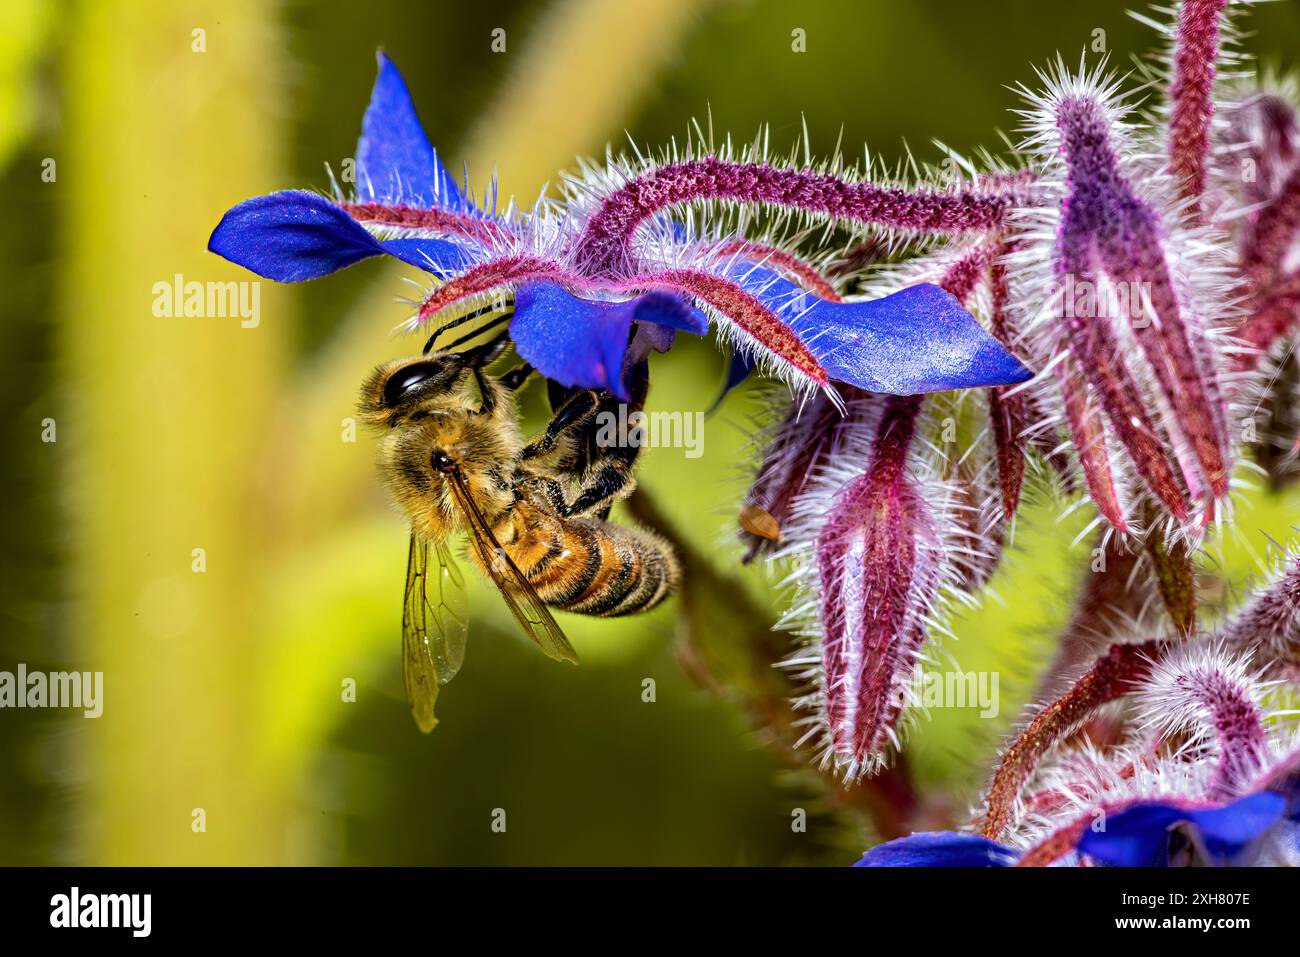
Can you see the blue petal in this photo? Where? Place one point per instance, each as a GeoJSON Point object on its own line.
{"type": "Point", "coordinates": [1227, 830]}
{"type": "Point", "coordinates": [290, 236]}
{"type": "Point", "coordinates": [395, 163]}
{"type": "Point", "coordinates": [583, 342]}
{"type": "Point", "coordinates": [939, 849]}
{"type": "Point", "coordinates": [670, 311]}
{"type": "Point", "coordinates": [439, 256]}
{"type": "Point", "coordinates": [1139, 835]}
{"type": "Point", "coordinates": [575, 342]}
{"type": "Point", "coordinates": [294, 235]}
{"type": "Point", "coordinates": [917, 340]}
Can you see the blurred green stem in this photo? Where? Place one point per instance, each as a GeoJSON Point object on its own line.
{"type": "Point", "coordinates": [172, 114]}
{"type": "Point", "coordinates": [727, 645]}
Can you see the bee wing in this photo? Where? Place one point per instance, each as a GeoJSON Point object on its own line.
{"type": "Point", "coordinates": [529, 609]}
{"type": "Point", "coordinates": [435, 623]}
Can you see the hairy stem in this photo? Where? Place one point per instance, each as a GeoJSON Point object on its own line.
{"type": "Point", "coordinates": [747, 313]}
{"type": "Point", "coordinates": [1114, 591]}
{"type": "Point", "coordinates": [1175, 577]}
{"type": "Point", "coordinates": [1191, 93]}
{"type": "Point", "coordinates": [484, 279]}
{"type": "Point", "coordinates": [1008, 412]}
{"type": "Point", "coordinates": [1112, 676]}
{"type": "Point", "coordinates": [603, 248]}
{"type": "Point", "coordinates": [1273, 317]}
{"type": "Point", "coordinates": [1064, 839]}
{"type": "Point", "coordinates": [1275, 231]}
{"type": "Point", "coordinates": [1240, 730]}
{"type": "Point", "coordinates": [788, 264]}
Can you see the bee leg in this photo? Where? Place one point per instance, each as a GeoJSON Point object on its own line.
{"type": "Point", "coordinates": [552, 491]}
{"type": "Point", "coordinates": [571, 417]}
{"type": "Point", "coordinates": [479, 358]}
{"type": "Point", "coordinates": [602, 471]}
{"type": "Point", "coordinates": [489, 404]}
{"type": "Point", "coordinates": [612, 476]}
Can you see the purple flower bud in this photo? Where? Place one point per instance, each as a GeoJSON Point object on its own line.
{"type": "Point", "coordinates": [1125, 322]}
{"type": "Point", "coordinates": [877, 559]}
{"type": "Point", "coordinates": [1268, 627]}
{"type": "Point", "coordinates": [1211, 696]}
{"type": "Point", "coordinates": [1107, 230]}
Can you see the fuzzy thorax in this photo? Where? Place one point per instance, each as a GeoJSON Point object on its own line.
{"type": "Point", "coordinates": [442, 415]}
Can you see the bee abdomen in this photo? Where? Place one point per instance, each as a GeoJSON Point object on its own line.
{"type": "Point", "coordinates": [597, 568]}
{"type": "Point", "coordinates": [660, 575]}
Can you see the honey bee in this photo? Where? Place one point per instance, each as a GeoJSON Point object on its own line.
{"type": "Point", "coordinates": [535, 514]}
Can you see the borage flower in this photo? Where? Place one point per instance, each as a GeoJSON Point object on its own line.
{"type": "Point", "coordinates": [1208, 778]}
{"type": "Point", "coordinates": [939, 849]}
{"type": "Point", "coordinates": [1170, 835]}
{"type": "Point", "coordinates": [1143, 835]}
{"type": "Point", "coordinates": [583, 276]}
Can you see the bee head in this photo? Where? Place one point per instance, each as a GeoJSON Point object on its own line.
{"type": "Point", "coordinates": [438, 414]}
{"type": "Point", "coordinates": [434, 381]}
{"type": "Point", "coordinates": [398, 389]}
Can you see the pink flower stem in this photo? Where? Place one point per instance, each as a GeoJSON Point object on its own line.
{"type": "Point", "coordinates": [1275, 231]}
{"type": "Point", "coordinates": [1007, 411]}
{"type": "Point", "coordinates": [745, 311]}
{"type": "Point", "coordinates": [1273, 317]}
{"type": "Point", "coordinates": [1064, 839]}
{"type": "Point", "coordinates": [1238, 725]}
{"type": "Point", "coordinates": [486, 278]}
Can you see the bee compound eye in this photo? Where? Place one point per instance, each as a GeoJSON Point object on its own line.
{"type": "Point", "coordinates": [404, 380]}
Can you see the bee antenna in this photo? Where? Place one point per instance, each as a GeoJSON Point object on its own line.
{"type": "Point", "coordinates": [475, 333]}
{"type": "Point", "coordinates": [468, 317]}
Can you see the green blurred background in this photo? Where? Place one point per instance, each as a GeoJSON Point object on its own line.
{"type": "Point", "coordinates": [223, 689]}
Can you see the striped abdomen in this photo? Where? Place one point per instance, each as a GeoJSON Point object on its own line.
{"type": "Point", "coordinates": [593, 567]}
